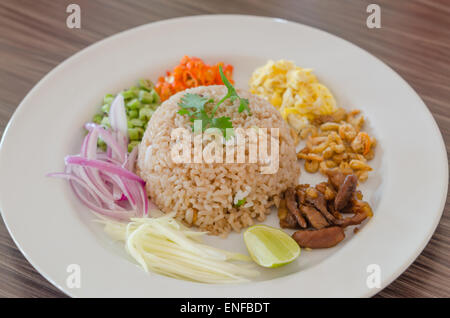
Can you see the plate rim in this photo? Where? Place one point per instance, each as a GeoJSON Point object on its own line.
{"type": "Point", "coordinates": [370, 292]}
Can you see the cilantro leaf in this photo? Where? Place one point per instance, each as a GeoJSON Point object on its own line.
{"type": "Point", "coordinates": [203, 116]}
{"type": "Point", "coordinates": [194, 101]}
{"type": "Point", "coordinates": [232, 95]}
{"type": "Point", "coordinates": [183, 111]}
{"type": "Point", "coordinates": [231, 90]}
{"type": "Point", "coordinates": [223, 123]}
{"type": "Point", "coordinates": [244, 105]}
{"type": "Point", "coordinates": [193, 105]}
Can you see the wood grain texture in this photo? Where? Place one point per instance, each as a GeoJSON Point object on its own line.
{"type": "Point", "coordinates": [414, 40]}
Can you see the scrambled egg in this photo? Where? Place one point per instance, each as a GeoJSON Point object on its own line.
{"type": "Point", "coordinates": [295, 91]}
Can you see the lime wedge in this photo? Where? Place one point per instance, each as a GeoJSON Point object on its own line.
{"type": "Point", "coordinates": [270, 247]}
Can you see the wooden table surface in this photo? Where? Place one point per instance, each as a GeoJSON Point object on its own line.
{"type": "Point", "coordinates": [414, 40]}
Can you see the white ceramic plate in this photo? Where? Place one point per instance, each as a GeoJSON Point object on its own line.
{"type": "Point", "coordinates": [407, 189]}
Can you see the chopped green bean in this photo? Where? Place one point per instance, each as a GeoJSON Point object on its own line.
{"type": "Point", "coordinates": [153, 106]}
{"type": "Point", "coordinates": [145, 97]}
{"type": "Point", "coordinates": [128, 94]}
{"type": "Point", "coordinates": [141, 101]}
{"type": "Point", "coordinates": [101, 144]}
{"type": "Point", "coordinates": [133, 113]}
{"type": "Point", "coordinates": [105, 122]}
{"type": "Point", "coordinates": [98, 118]}
{"type": "Point", "coordinates": [105, 108]}
{"type": "Point", "coordinates": [156, 99]}
{"type": "Point", "coordinates": [133, 133]}
{"type": "Point", "coordinates": [137, 122]}
{"type": "Point", "coordinates": [133, 104]}
{"type": "Point", "coordinates": [145, 113]}
{"type": "Point", "coordinates": [108, 99]}
{"type": "Point", "coordinates": [141, 132]}
{"type": "Point", "coordinates": [132, 144]}
{"type": "Point", "coordinates": [146, 84]}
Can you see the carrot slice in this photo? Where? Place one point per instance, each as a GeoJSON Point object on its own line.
{"type": "Point", "coordinates": [191, 72]}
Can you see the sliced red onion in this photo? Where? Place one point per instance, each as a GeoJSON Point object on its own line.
{"type": "Point", "coordinates": [118, 121]}
{"type": "Point", "coordinates": [104, 181]}
{"type": "Point", "coordinates": [113, 214]}
{"type": "Point", "coordinates": [131, 160]}
{"type": "Point", "coordinates": [103, 166]}
{"type": "Point", "coordinates": [118, 146]}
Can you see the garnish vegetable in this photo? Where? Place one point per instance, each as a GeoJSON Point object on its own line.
{"type": "Point", "coordinates": [140, 102]}
{"type": "Point", "coordinates": [191, 72]}
{"type": "Point", "coordinates": [165, 246]}
{"type": "Point", "coordinates": [241, 202]}
{"type": "Point", "coordinates": [232, 95]}
{"type": "Point", "coordinates": [193, 105]}
{"type": "Point", "coordinates": [105, 181]}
